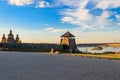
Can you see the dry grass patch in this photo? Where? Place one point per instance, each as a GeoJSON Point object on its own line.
{"type": "Point", "coordinates": [106, 56]}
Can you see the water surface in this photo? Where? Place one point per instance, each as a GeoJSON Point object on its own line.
{"type": "Point", "coordinates": [105, 49]}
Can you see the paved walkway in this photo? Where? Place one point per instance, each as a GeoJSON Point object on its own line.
{"type": "Point", "coordinates": [36, 66]}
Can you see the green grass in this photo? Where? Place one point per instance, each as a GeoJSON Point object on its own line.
{"type": "Point", "coordinates": [105, 56]}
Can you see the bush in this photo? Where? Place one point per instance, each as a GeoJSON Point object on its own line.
{"type": "Point", "coordinates": [108, 52]}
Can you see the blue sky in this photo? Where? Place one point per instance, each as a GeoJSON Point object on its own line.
{"type": "Point", "coordinates": [42, 21]}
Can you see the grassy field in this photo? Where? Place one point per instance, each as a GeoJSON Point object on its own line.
{"type": "Point", "coordinates": [105, 56]}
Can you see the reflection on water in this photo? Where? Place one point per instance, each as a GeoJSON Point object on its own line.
{"type": "Point", "coordinates": [105, 49]}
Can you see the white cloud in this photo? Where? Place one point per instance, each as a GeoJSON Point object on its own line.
{"type": "Point", "coordinates": [43, 4]}
{"type": "Point", "coordinates": [71, 3]}
{"type": "Point", "coordinates": [106, 14]}
{"type": "Point", "coordinates": [20, 2]}
{"type": "Point", "coordinates": [106, 4]}
{"type": "Point", "coordinates": [49, 28]}
{"type": "Point", "coordinates": [118, 16]}
{"type": "Point", "coordinates": [54, 30]}
{"type": "Point", "coordinates": [79, 15]}
{"type": "Point", "coordinates": [39, 3]}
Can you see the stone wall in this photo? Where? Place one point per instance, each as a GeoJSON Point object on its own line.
{"type": "Point", "coordinates": [42, 47]}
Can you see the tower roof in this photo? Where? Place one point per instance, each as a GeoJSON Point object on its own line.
{"type": "Point", "coordinates": [10, 34]}
{"type": "Point", "coordinates": [3, 36]}
{"type": "Point", "coordinates": [67, 34]}
{"type": "Point", "coordinates": [17, 37]}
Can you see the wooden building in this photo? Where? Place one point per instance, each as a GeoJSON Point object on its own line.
{"type": "Point", "coordinates": [10, 38]}
{"type": "Point", "coordinates": [68, 42]}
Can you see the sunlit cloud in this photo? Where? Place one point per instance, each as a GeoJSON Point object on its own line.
{"type": "Point", "coordinates": [20, 2]}
{"type": "Point", "coordinates": [106, 4]}
{"type": "Point", "coordinates": [38, 3]}
{"type": "Point", "coordinates": [54, 30]}
{"type": "Point", "coordinates": [99, 16]}
{"type": "Point", "coordinates": [42, 4]}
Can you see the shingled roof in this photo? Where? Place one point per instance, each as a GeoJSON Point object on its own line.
{"type": "Point", "coordinates": [67, 34]}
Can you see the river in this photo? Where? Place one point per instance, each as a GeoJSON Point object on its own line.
{"type": "Point", "coordinates": [105, 49]}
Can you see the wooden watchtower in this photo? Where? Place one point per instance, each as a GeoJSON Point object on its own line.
{"type": "Point", "coordinates": [68, 42]}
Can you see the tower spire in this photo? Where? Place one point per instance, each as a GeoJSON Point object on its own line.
{"type": "Point", "coordinates": [3, 39]}
{"type": "Point", "coordinates": [17, 40]}
{"type": "Point", "coordinates": [10, 38]}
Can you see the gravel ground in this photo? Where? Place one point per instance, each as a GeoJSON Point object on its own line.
{"type": "Point", "coordinates": [36, 66]}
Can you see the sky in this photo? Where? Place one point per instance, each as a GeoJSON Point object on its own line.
{"type": "Point", "coordinates": [44, 21]}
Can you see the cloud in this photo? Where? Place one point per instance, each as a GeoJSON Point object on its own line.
{"type": "Point", "coordinates": [38, 3]}
{"type": "Point", "coordinates": [54, 30]}
{"type": "Point", "coordinates": [20, 2]}
{"type": "Point", "coordinates": [78, 13]}
{"type": "Point", "coordinates": [106, 4]}
{"type": "Point", "coordinates": [43, 4]}
{"type": "Point", "coordinates": [70, 3]}
{"type": "Point", "coordinates": [87, 14]}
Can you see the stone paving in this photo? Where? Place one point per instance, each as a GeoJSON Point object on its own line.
{"type": "Point", "coordinates": [37, 66]}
